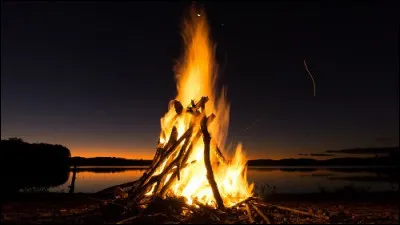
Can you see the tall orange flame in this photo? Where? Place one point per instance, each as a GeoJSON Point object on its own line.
{"type": "Point", "coordinates": [196, 77]}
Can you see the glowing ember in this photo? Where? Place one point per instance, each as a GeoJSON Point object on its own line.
{"type": "Point", "coordinates": [196, 76]}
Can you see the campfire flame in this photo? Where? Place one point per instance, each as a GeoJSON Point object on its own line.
{"type": "Point", "coordinates": [196, 78]}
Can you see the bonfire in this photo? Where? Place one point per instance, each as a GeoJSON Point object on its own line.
{"type": "Point", "coordinates": [190, 177]}
{"type": "Point", "coordinates": [189, 161]}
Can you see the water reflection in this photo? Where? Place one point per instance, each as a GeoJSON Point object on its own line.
{"type": "Point", "coordinates": [90, 180]}
{"type": "Point", "coordinates": [285, 179]}
{"type": "Point", "coordinates": [35, 179]}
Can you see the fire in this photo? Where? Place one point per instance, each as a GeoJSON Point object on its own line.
{"type": "Point", "coordinates": [196, 77]}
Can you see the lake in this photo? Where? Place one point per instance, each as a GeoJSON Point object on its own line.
{"type": "Point", "coordinates": [285, 179]}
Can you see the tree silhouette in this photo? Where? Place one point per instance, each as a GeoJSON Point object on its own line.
{"type": "Point", "coordinates": [33, 165]}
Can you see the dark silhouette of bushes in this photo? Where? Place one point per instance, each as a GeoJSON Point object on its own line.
{"type": "Point", "coordinates": [28, 165]}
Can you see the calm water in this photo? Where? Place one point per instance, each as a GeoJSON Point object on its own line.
{"type": "Point", "coordinates": [285, 179]}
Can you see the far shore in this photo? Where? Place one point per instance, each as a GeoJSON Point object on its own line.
{"type": "Point", "coordinates": [354, 162]}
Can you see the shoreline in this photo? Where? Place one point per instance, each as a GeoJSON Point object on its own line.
{"type": "Point", "coordinates": [379, 207]}
{"type": "Point", "coordinates": [381, 196]}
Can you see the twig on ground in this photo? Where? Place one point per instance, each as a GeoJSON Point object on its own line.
{"type": "Point", "coordinates": [267, 220]}
{"type": "Point", "coordinates": [294, 211]}
{"type": "Point", "coordinates": [249, 213]}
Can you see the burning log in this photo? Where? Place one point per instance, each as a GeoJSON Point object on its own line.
{"type": "Point", "coordinates": [207, 162]}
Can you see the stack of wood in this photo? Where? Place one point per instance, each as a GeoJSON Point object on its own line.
{"type": "Point", "coordinates": [149, 199]}
{"type": "Point", "coordinates": [174, 159]}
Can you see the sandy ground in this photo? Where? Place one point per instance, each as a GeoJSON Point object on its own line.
{"type": "Point", "coordinates": [373, 208]}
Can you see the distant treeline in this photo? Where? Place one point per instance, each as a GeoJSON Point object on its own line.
{"type": "Point", "coordinates": [371, 161]}
{"type": "Point", "coordinates": [109, 161]}
{"type": "Point", "coordinates": [391, 159]}
{"type": "Point", "coordinates": [28, 165]}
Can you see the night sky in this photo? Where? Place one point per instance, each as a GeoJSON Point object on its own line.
{"type": "Point", "coordinates": [97, 77]}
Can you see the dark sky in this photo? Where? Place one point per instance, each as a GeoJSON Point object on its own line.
{"type": "Point", "coordinates": [97, 77]}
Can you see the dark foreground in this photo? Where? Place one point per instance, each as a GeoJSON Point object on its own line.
{"type": "Point", "coordinates": [48, 208]}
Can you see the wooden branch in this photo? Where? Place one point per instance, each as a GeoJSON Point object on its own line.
{"type": "Point", "coordinates": [144, 189]}
{"type": "Point", "coordinates": [156, 156]}
{"type": "Point", "coordinates": [219, 155]}
{"type": "Point", "coordinates": [175, 174]}
{"type": "Point", "coordinates": [125, 221]}
{"type": "Point", "coordinates": [249, 213]}
{"type": "Point", "coordinates": [217, 151]}
{"type": "Point", "coordinates": [160, 155]}
{"type": "Point", "coordinates": [194, 108]}
{"type": "Point", "coordinates": [207, 163]}
{"type": "Point", "coordinates": [201, 104]}
{"type": "Point", "coordinates": [181, 154]}
{"type": "Point", "coordinates": [295, 211]}
{"type": "Point", "coordinates": [165, 188]}
{"type": "Point", "coordinates": [243, 202]}
{"type": "Point", "coordinates": [178, 107]}
{"type": "Point", "coordinates": [146, 177]}
{"type": "Point", "coordinates": [159, 179]}
{"type": "Point", "coordinates": [176, 162]}
{"type": "Point", "coordinates": [208, 209]}
{"type": "Point", "coordinates": [267, 220]}
{"type": "Point", "coordinates": [172, 138]}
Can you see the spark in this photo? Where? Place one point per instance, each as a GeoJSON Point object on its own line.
{"type": "Point", "coordinates": [248, 127]}
{"type": "Point", "coordinates": [312, 78]}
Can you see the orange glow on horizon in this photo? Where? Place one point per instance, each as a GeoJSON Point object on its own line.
{"type": "Point", "coordinates": [118, 153]}
{"type": "Point", "coordinates": [148, 154]}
